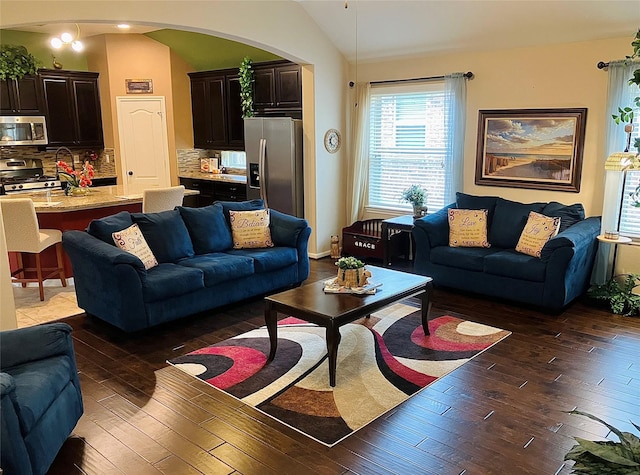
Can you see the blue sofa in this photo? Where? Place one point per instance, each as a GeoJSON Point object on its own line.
{"type": "Point", "coordinates": [41, 401]}
{"type": "Point", "coordinates": [198, 268]}
{"type": "Point", "coordinates": [560, 275]}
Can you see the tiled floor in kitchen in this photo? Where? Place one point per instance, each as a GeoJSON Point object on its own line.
{"type": "Point", "coordinates": [59, 302]}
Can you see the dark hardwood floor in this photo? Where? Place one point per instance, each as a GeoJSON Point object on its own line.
{"type": "Point", "coordinates": [501, 413]}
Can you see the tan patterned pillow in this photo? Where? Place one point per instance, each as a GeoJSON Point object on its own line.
{"type": "Point", "coordinates": [132, 241]}
{"type": "Point", "coordinates": [538, 230]}
{"type": "Point", "coordinates": [250, 229]}
{"type": "Point", "coordinates": [468, 228]}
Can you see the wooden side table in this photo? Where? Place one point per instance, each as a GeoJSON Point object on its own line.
{"type": "Point", "coordinates": [391, 227]}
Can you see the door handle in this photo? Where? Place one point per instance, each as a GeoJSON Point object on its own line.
{"type": "Point", "coordinates": [130, 173]}
{"type": "Point", "coordinates": [261, 169]}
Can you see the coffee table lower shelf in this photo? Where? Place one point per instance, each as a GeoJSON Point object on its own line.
{"type": "Point", "coordinates": [331, 311]}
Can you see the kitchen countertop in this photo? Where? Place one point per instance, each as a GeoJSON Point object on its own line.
{"type": "Point", "coordinates": [215, 177]}
{"type": "Point", "coordinates": [98, 197]}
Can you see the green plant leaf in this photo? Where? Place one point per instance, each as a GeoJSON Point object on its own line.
{"type": "Point", "coordinates": [626, 445]}
{"type": "Point", "coordinates": [609, 451]}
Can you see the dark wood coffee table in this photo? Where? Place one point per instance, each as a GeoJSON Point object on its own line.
{"type": "Point", "coordinates": [331, 311]}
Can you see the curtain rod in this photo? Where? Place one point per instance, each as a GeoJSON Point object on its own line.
{"type": "Point", "coordinates": [468, 75]}
{"type": "Point", "coordinates": [603, 65]}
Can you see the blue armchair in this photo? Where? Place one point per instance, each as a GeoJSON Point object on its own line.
{"type": "Point", "coordinates": [40, 400]}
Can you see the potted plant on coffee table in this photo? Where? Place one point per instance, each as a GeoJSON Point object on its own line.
{"type": "Point", "coordinates": [351, 272]}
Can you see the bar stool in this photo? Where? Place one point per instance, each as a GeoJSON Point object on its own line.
{"type": "Point", "coordinates": [162, 199]}
{"type": "Point", "coordinates": [23, 234]}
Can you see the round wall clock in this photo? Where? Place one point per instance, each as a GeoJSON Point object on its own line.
{"type": "Point", "coordinates": [332, 141]}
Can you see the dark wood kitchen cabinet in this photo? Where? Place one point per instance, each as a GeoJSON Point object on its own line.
{"type": "Point", "coordinates": [211, 190]}
{"type": "Point", "coordinates": [72, 104]}
{"type": "Point", "coordinates": [21, 96]}
{"type": "Point", "coordinates": [278, 89]}
{"type": "Point", "coordinates": [217, 110]}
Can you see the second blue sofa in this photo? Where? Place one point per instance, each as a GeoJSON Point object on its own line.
{"type": "Point", "coordinates": [560, 275]}
{"type": "Point", "coordinates": [198, 268]}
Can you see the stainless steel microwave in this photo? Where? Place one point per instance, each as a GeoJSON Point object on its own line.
{"type": "Point", "coordinates": [23, 130]}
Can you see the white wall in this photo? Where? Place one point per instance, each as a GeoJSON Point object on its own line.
{"type": "Point", "coordinates": [282, 28]}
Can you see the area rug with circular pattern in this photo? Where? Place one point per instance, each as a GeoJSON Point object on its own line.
{"type": "Point", "coordinates": [382, 361]}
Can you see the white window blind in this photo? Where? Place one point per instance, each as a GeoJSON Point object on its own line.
{"type": "Point", "coordinates": [629, 214]}
{"type": "Point", "coordinates": [407, 144]}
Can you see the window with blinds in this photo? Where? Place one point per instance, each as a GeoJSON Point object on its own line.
{"type": "Point", "coordinates": [407, 144]}
{"type": "Point", "coordinates": [629, 214]}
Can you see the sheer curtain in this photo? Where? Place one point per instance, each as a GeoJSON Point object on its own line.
{"type": "Point", "coordinates": [455, 119]}
{"type": "Point", "coordinates": [358, 171]}
{"type": "Point", "coordinates": [619, 94]}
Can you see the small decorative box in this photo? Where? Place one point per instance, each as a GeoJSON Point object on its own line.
{"type": "Point", "coordinates": [611, 235]}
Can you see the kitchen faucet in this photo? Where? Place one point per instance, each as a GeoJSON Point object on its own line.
{"type": "Point", "coordinates": [60, 149]}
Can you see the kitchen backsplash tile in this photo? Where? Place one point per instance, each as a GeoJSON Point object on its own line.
{"type": "Point", "coordinates": [48, 157]}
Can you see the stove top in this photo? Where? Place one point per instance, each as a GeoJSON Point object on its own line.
{"type": "Point", "coordinates": [22, 175]}
{"type": "Point", "coordinates": [25, 179]}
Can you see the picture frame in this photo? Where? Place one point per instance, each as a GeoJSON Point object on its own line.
{"type": "Point", "coordinates": [139, 86]}
{"type": "Point", "coordinates": [531, 148]}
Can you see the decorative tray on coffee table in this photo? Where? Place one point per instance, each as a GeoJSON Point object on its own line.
{"type": "Point", "coordinates": [332, 287]}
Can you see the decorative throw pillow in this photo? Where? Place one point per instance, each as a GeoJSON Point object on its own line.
{"type": "Point", "coordinates": [132, 241]}
{"type": "Point", "coordinates": [538, 230]}
{"type": "Point", "coordinates": [468, 228]}
{"type": "Point", "coordinates": [250, 229]}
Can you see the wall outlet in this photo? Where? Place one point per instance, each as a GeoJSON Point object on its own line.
{"type": "Point", "coordinates": [106, 157]}
{"type": "Point", "coordinates": [76, 158]}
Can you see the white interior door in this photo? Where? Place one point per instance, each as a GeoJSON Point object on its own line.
{"type": "Point", "coordinates": [144, 148]}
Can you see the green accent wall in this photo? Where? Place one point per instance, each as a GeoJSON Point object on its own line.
{"type": "Point", "coordinates": [38, 45]}
{"type": "Point", "coordinates": [204, 52]}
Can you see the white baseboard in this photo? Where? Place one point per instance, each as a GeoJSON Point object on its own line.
{"type": "Point", "coordinates": [319, 255]}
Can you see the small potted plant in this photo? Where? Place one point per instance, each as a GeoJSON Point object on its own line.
{"type": "Point", "coordinates": [417, 196]}
{"type": "Point", "coordinates": [351, 272]}
{"type": "Point", "coordinates": [16, 62]}
{"type": "Point", "coordinates": [619, 293]}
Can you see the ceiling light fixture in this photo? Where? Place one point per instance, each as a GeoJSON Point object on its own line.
{"type": "Point", "coordinates": [124, 26]}
{"type": "Point", "coordinates": [66, 38]}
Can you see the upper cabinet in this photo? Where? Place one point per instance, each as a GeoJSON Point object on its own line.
{"type": "Point", "coordinates": [72, 105]}
{"type": "Point", "coordinates": [216, 109]}
{"type": "Point", "coordinates": [21, 96]}
{"type": "Point", "coordinates": [278, 89]}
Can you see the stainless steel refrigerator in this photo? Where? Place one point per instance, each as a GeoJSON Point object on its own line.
{"type": "Point", "coordinates": [274, 162]}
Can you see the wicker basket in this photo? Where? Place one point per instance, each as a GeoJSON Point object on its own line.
{"type": "Point", "coordinates": [353, 277]}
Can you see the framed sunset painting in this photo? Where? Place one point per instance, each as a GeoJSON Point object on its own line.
{"type": "Point", "coordinates": [531, 148]}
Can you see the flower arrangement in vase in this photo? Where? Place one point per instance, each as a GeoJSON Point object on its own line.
{"type": "Point", "coordinates": [78, 182]}
{"type": "Point", "coordinates": [417, 196]}
{"type": "Point", "coordinates": [351, 272]}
